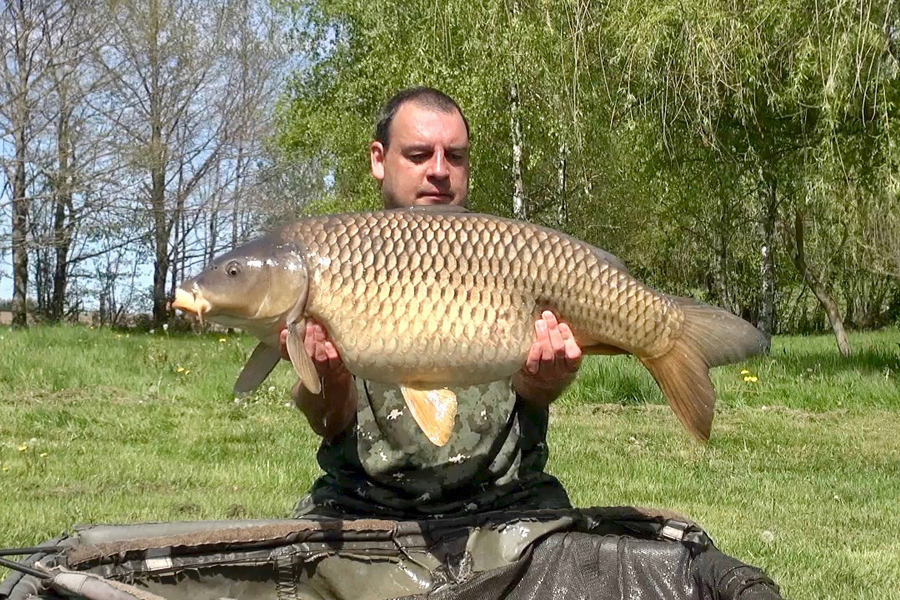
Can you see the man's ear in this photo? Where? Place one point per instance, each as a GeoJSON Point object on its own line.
{"type": "Point", "coordinates": [376, 159]}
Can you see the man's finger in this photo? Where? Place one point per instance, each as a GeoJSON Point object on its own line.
{"type": "Point", "coordinates": [572, 349]}
{"type": "Point", "coordinates": [573, 353]}
{"type": "Point", "coordinates": [543, 339]}
{"type": "Point", "coordinates": [534, 357]}
{"type": "Point", "coordinates": [550, 319]}
{"type": "Point", "coordinates": [309, 339]}
{"type": "Point", "coordinates": [334, 359]}
{"type": "Point", "coordinates": [556, 341]}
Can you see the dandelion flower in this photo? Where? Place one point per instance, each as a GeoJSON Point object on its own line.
{"type": "Point", "coordinates": [187, 371]}
{"type": "Point", "coordinates": [43, 455]}
{"type": "Point", "coordinates": [180, 369]}
{"type": "Point", "coordinates": [754, 379]}
{"type": "Point", "coordinates": [222, 340]}
{"type": "Point", "coordinates": [23, 448]}
{"type": "Point", "coordinates": [745, 372]}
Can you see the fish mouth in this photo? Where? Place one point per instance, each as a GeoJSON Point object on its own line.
{"type": "Point", "coordinates": [193, 303]}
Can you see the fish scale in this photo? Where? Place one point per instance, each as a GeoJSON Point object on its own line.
{"type": "Point", "coordinates": [517, 270]}
{"type": "Point", "coordinates": [437, 298]}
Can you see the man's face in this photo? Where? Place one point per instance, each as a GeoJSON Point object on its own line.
{"type": "Point", "coordinates": [427, 159]}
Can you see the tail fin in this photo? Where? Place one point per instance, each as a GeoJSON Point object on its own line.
{"type": "Point", "coordinates": [710, 337]}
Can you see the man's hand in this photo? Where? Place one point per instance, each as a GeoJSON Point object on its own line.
{"type": "Point", "coordinates": [552, 362]}
{"type": "Point", "coordinates": [319, 348]}
{"type": "Point", "coordinates": [331, 411]}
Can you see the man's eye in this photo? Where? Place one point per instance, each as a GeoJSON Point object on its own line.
{"type": "Point", "coordinates": [418, 157]}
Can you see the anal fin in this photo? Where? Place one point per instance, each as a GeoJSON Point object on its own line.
{"type": "Point", "coordinates": [303, 364]}
{"type": "Point", "coordinates": [433, 410]}
{"type": "Point", "coordinates": [259, 365]}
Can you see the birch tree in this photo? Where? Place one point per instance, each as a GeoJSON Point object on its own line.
{"type": "Point", "coordinates": [25, 30]}
{"type": "Point", "coordinates": [172, 105]}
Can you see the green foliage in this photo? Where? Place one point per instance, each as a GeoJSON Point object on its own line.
{"type": "Point", "coordinates": [670, 116]}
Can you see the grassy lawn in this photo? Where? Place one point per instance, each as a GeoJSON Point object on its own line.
{"type": "Point", "coordinates": [802, 476]}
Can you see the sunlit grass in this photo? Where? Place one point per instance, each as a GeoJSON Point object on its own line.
{"type": "Point", "coordinates": [801, 476]}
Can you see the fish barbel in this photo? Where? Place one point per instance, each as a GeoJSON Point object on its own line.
{"type": "Point", "coordinates": [432, 299]}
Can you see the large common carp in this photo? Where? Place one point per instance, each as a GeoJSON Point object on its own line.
{"type": "Point", "coordinates": [433, 299]}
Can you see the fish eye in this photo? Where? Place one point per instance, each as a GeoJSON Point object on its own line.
{"type": "Point", "coordinates": [233, 269]}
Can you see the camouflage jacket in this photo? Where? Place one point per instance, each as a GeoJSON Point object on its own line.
{"type": "Point", "coordinates": [384, 465]}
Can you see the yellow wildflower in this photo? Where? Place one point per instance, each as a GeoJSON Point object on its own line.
{"type": "Point", "coordinates": [753, 379]}
{"type": "Point", "coordinates": [187, 371]}
{"type": "Point", "coordinates": [222, 340]}
{"type": "Point", "coordinates": [745, 372]}
{"type": "Point", "coordinates": [180, 369]}
{"type": "Point", "coordinates": [43, 455]}
{"type": "Point", "coordinates": [23, 448]}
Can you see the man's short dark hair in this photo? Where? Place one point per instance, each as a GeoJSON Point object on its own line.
{"type": "Point", "coordinates": [423, 96]}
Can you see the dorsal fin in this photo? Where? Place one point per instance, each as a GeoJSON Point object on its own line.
{"type": "Point", "coordinates": [438, 208]}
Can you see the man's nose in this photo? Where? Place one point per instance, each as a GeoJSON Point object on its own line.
{"type": "Point", "coordinates": [438, 166]}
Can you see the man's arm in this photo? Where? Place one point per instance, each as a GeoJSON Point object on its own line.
{"type": "Point", "coordinates": [331, 411]}
{"type": "Point", "coordinates": [552, 363]}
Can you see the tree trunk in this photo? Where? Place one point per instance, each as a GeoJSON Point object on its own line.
{"type": "Point", "coordinates": [19, 232]}
{"type": "Point", "coordinates": [62, 230]}
{"type": "Point", "coordinates": [161, 245]}
{"type": "Point", "coordinates": [768, 196]}
{"type": "Point", "coordinates": [161, 220]}
{"type": "Point", "coordinates": [562, 208]}
{"type": "Point", "coordinates": [214, 215]}
{"type": "Point", "coordinates": [815, 284]}
{"type": "Point", "coordinates": [20, 202]}
{"type": "Point", "coordinates": [519, 208]}
{"type": "Point", "coordinates": [236, 199]}
{"type": "Point", "coordinates": [720, 276]}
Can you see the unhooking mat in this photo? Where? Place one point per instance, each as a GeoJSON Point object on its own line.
{"type": "Point", "coordinates": [597, 554]}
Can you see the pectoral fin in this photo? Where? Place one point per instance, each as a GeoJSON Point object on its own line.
{"type": "Point", "coordinates": [303, 364]}
{"type": "Point", "coordinates": [433, 410]}
{"type": "Point", "coordinates": [258, 367]}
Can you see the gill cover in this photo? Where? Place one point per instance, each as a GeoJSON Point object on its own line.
{"type": "Point", "coordinates": [260, 287]}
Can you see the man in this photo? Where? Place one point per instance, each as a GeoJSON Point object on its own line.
{"type": "Point", "coordinates": [379, 464]}
{"type": "Point", "coordinates": [376, 462]}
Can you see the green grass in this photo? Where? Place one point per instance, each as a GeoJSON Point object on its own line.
{"type": "Point", "coordinates": [802, 476]}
